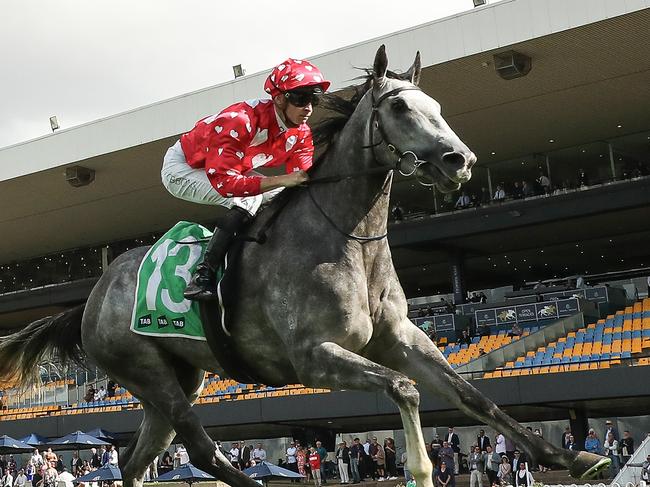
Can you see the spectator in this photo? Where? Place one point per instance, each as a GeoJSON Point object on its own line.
{"type": "Point", "coordinates": [505, 471]}
{"type": "Point", "coordinates": [523, 477]}
{"type": "Point", "coordinates": [379, 458]}
{"type": "Point", "coordinates": [323, 457]}
{"type": "Point", "coordinates": [343, 462]}
{"type": "Point", "coordinates": [453, 439]}
{"type": "Point", "coordinates": [465, 339]}
{"type": "Point", "coordinates": [592, 443]}
{"type": "Point", "coordinates": [259, 454]}
{"type": "Point", "coordinates": [356, 458]}
{"type": "Point", "coordinates": [315, 466]}
{"type": "Point", "coordinates": [110, 388]}
{"type": "Point", "coordinates": [391, 458]}
{"type": "Point", "coordinates": [582, 178]}
{"type": "Point", "coordinates": [463, 201]}
{"type": "Point", "coordinates": [500, 444]}
{"type": "Point", "coordinates": [167, 463]}
{"type": "Point", "coordinates": [11, 466]}
{"type": "Point", "coordinates": [75, 464]}
{"type": "Point", "coordinates": [434, 451]}
{"type": "Point", "coordinates": [114, 460]}
{"type": "Point", "coordinates": [627, 446]}
{"type": "Point", "coordinates": [544, 183]}
{"type": "Point", "coordinates": [610, 446]}
{"type": "Point", "coordinates": [90, 395]}
{"type": "Point", "coordinates": [476, 464]}
{"type": "Point", "coordinates": [21, 479]}
{"type": "Point", "coordinates": [518, 459]}
{"type": "Point", "coordinates": [301, 461]}
{"type": "Point", "coordinates": [7, 479]}
{"type": "Point", "coordinates": [527, 190]}
{"type": "Point", "coordinates": [609, 428]}
{"type": "Point", "coordinates": [572, 445]}
{"type": "Point", "coordinates": [444, 476]}
{"type": "Point", "coordinates": [517, 192]}
{"type": "Point", "coordinates": [447, 456]}
{"type": "Point", "coordinates": [499, 194]}
{"type": "Point", "coordinates": [245, 456]}
{"type": "Point", "coordinates": [50, 476]}
{"type": "Point", "coordinates": [482, 441]}
{"type": "Point", "coordinates": [516, 330]}
{"type": "Point", "coordinates": [50, 458]}
{"type": "Point", "coordinates": [234, 456]}
{"type": "Point", "coordinates": [37, 459]}
{"type": "Point", "coordinates": [65, 479]}
{"type": "Point", "coordinates": [95, 459]}
{"type": "Point", "coordinates": [492, 462]}
{"type": "Point", "coordinates": [181, 455]}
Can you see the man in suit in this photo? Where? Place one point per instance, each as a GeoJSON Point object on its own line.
{"type": "Point", "coordinates": [519, 458]}
{"type": "Point", "coordinates": [454, 443]}
{"type": "Point", "coordinates": [482, 441]}
{"type": "Point", "coordinates": [609, 428]}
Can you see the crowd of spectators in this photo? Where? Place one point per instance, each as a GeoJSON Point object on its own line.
{"type": "Point", "coordinates": [48, 469]}
{"type": "Point", "coordinates": [492, 461]}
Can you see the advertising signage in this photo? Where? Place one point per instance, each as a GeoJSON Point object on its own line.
{"type": "Point", "coordinates": [508, 315]}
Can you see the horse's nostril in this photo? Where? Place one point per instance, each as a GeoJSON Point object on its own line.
{"type": "Point", "coordinates": [454, 159]}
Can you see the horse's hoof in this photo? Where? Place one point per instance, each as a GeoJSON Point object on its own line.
{"type": "Point", "coordinates": [588, 465]}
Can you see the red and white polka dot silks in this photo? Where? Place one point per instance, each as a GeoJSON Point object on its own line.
{"type": "Point", "coordinates": [292, 74]}
{"type": "Point", "coordinates": [241, 138]}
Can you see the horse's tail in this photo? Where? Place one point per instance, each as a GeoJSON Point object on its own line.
{"type": "Point", "coordinates": [54, 337]}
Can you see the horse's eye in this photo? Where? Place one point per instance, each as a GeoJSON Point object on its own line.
{"type": "Point", "coordinates": [399, 105]}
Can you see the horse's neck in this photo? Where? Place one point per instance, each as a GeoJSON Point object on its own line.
{"type": "Point", "coordinates": [359, 204]}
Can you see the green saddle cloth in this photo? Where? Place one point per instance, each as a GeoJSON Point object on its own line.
{"type": "Point", "coordinates": [160, 308]}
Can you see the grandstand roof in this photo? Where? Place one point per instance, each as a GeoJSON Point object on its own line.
{"type": "Point", "coordinates": [585, 54]}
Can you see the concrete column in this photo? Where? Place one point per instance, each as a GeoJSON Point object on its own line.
{"type": "Point", "coordinates": [457, 265]}
{"type": "Point", "coordinates": [611, 159]}
{"type": "Point", "coordinates": [579, 426]}
{"type": "Point", "coordinates": [489, 175]}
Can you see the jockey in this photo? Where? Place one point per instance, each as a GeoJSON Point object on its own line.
{"type": "Point", "coordinates": [215, 162]}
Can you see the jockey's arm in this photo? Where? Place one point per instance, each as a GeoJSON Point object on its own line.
{"type": "Point", "coordinates": [283, 181]}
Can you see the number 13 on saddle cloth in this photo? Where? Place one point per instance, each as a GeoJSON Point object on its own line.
{"type": "Point", "coordinates": [160, 308]}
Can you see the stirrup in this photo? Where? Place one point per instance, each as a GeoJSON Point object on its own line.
{"type": "Point", "coordinates": [202, 287]}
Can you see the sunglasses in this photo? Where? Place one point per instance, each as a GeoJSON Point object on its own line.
{"type": "Point", "coordinates": [301, 99]}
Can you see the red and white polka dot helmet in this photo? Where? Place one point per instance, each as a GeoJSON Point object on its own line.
{"type": "Point", "coordinates": [292, 74]}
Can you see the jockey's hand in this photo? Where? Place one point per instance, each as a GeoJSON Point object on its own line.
{"type": "Point", "coordinates": [295, 178]}
{"type": "Point", "coordinates": [284, 181]}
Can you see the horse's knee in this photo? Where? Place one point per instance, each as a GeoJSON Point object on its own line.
{"type": "Point", "coordinates": [402, 390]}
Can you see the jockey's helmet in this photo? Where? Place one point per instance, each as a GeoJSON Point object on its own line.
{"type": "Point", "coordinates": [294, 74]}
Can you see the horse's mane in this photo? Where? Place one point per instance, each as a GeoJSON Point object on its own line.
{"type": "Point", "coordinates": [324, 132]}
{"type": "Point", "coordinates": [341, 108]}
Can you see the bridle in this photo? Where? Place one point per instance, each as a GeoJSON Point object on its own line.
{"type": "Point", "coordinates": [374, 124]}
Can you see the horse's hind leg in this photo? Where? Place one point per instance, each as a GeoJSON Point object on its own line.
{"type": "Point", "coordinates": [329, 365]}
{"type": "Point", "coordinates": [154, 436]}
{"type": "Point", "coordinates": [163, 391]}
{"type": "Point", "coordinates": [411, 352]}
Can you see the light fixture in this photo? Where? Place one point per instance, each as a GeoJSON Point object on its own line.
{"type": "Point", "coordinates": [619, 126]}
{"type": "Point", "coordinates": [551, 141]}
{"type": "Point", "coordinates": [479, 3]}
{"type": "Point", "coordinates": [493, 153]}
{"type": "Point", "coordinates": [78, 176]}
{"type": "Point", "coordinates": [512, 64]}
{"type": "Point", "coordinates": [238, 71]}
{"type": "Point", "coordinates": [54, 123]}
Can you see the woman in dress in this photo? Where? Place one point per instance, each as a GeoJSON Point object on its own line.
{"type": "Point", "coordinates": [443, 476]}
{"type": "Point", "coordinates": [301, 458]}
{"type": "Point", "coordinates": [505, 471]}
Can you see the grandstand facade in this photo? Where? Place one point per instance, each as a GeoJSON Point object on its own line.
{"type": "Point", "coordinates": [581, 117]}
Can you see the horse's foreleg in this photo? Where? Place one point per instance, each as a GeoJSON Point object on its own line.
{"type": "Point", "coordinates": [413, 354]}
{"type": "Point", "coordinates": [330, 366]}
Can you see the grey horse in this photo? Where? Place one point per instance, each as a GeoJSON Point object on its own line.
{"type": "Point", "coordinates": [321, 290]}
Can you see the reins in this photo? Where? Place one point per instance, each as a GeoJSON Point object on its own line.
{"type": "Point", "coordinates": [375, 124]}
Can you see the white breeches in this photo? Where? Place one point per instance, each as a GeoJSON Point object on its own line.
{"type": "Point", "coordinates": [191, 184]}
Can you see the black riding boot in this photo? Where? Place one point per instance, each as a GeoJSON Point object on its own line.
{"type": "Point", "coordinates": [203, 286]}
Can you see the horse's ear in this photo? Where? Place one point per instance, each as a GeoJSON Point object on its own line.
{"type": "Point", "coordinates": [380, 65]}
{"type": "Point", "coordinates": [414, 71]}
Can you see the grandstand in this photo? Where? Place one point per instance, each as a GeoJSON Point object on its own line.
{"type": "Point", "coordinates": [584, 56]}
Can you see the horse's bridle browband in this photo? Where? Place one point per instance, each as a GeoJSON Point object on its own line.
{"type": "Point", "coordinates": [392, 148]}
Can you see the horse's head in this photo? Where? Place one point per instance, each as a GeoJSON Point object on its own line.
{"type": "Point", "coordinates": [409, 133]}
